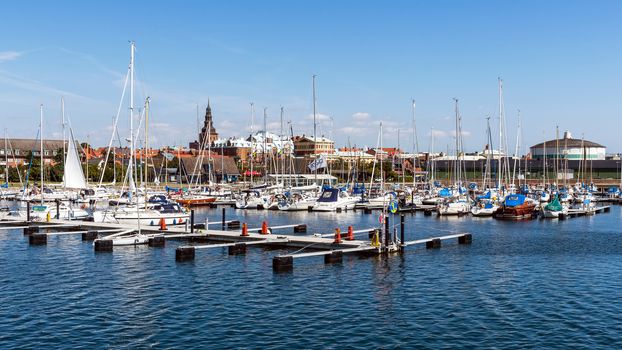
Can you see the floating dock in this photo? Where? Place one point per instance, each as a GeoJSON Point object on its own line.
{"type": "Point", "coordinates": [105, 236]}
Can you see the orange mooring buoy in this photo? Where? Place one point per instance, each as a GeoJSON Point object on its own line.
{"type": "Point", "coordinates": [244, 230]}
{"type": "Point", "coordinates": [162, 224]}
{"type": "Point", "coordinates": [337, 236]}
{"type": "Point", "coordinates": [264, 228]}
{"type": "Point", "coordinates": [350, 233]}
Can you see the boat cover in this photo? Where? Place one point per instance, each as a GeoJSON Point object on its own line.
{"type": "Point", "coordinates": [514, 200]}
{"type": "Point", "coordinates": [445, 192]}
{"type": "Point", "coordinates": [555, 205]}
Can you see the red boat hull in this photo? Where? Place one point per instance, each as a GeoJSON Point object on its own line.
{"type": "Point", "coordinates": [525, 211]}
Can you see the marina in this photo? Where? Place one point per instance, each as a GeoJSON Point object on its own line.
{"type": "Point", "coordinates": [310, 175]}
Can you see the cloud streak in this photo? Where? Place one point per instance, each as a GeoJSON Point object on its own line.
{"type": "Point", "coordinates": [9, 56]}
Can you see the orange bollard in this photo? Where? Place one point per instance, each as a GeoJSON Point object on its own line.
{"type": "Point", "coordinates": [350, 233]}
{"type": "Point", "coordinates": [337, 236]}
{"type": "Point", "coordinates": [264, 228]}
{"type": "Point", "coordinates": [244, 230]}
{"type": "Point", "coordinates": [162, 224]}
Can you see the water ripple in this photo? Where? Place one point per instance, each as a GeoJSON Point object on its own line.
{"type": "Point", "coordinates": [538, 284]}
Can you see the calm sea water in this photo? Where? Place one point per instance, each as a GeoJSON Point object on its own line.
{"type": "Point", "coordinates": [536, 284]}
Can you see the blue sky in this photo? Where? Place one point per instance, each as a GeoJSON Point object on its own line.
{"type": "Point", "coordinates": [560, 62]}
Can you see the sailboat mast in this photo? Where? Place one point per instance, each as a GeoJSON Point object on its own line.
{"type": "Point", "coordinates": [62, 113]}
{"type": "Point", "coordinates": [518, 141]}
{"type": "Point", "coordinates": [41, 148]}
{"type": "Point", "coordinates": [544, 166]}
{"type": "Point", "coordinates": [147, 101]}
{"type": "Point", "coordinates": [87, 160]}
{"type": "Point", "coordinates": [458, 167]}
{"type": "Point", "coordinates": [487, 171]}
{"type": "Point", "coordinates": [282, 147]}
{"type": "Point", "coordinates": [501, 127]}
{"type": "Point", "coordinates": [431, 159]}
{"type": "Point", "coordinates": [132, 154]}
{"type": "Point", "coordinates": [314, 131]}
{"type": "Point", "coordinates": [381, 167]}
{"type": "Point", "coordinates": [415, 146]}
{"type": "Point", "coordinates": [556, 153]}
{"type": "Point", "coordinates": [131, 110]}
{"type": "Point", "coordinates": [265, 144]}
{"type": "Point", "coordinates": [6, 158]}
{"type": "Point", "coordinates": [252, 157]}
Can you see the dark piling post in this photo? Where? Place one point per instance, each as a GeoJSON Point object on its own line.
{"type": "Point", "coordinates": [184, 254]}
{"type": "Point", "coordinates": [387, 232]}
{"type": "Point", "coordinates": [433, 243]}
{"type": "Point", "coordinates": [282, 263]}
{"type": "Point", "coordinates": [103, 245]}
{"type": "Point", "coordinates": [58, 209]}
{"type": "Point", "coordinates": [38, 239]}
{"type": "Point", "coordinates": [31, 230]}
{"type": "Point", "coordinates": [237, 249]}
{"type": "Point", "coordinates": [157, 241]}
{"type": "Point", "coordinates": [223, 218]}
{"type": "Point", "coordinates": [402, 230]}
{"type": "Point", "coordinates": [465, 239]}
{"type": "Point", "coordinates": [334, 257]}
{"type": "Point", "coordinates": [191, 220]}
{"type": "Point", "coordinates": [89, 235]}
{"type": "Point", "coordinates": [300, 228]}
{"type": "Point", "coordinates": [28, 211]}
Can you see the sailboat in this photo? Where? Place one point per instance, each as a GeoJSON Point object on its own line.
{"type": "Point", "coordinates": [73, 180]}
{"type": "Point", "coordinates": [554, 209]}
{"type": "Point", "coordinates": [139, 213]}
{"type": "Point", "coordinates": [486, 205]}
{"type": "Point", "coordinates": [5, 192]}
{"type": "Point", "coordinates": [458, 204]}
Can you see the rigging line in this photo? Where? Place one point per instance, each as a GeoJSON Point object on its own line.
{"type": "Point", "coordinates": [114, 127]}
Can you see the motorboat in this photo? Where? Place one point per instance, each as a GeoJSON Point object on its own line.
{"type": "Point", "coordinates": [252, 199]}
{"type": "Point", "coordinates": [334, 199]}
{"type": "Point", "coordinates": [516, 207]}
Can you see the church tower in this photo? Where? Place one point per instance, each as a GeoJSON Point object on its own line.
{"type": "Point", "coordinates": [208, 127]}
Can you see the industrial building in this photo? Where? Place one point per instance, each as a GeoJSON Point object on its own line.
{"type": "Point", "coordinates": [568, 148]}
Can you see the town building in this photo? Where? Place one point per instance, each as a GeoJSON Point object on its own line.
{"type": "Point", "coordinates": [307, 146]}
{"type": "Point", "coordinates": [19, 150]}
{"type": "Point", "coordinates": [568, 148]}
{"type": "Point", "coordinates": [240, 148]}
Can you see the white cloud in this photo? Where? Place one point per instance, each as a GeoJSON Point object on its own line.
{"type": "Point", "coordinates": [319, 117]}
{"type": "Point", "coordinates": [437, 133]}
{"type": "Point", "coordinates": [465, 133]}
{"type": "Point", "coordinates": [447, 133]}
{"type": "Point", "coordinates": [9, 56]}
{"type": "Point", "coordinates": [361, 116]}
{"type": "Point", "coordinates": [353, 131]}
{"type": "Point", "coordinates": [159, 125]}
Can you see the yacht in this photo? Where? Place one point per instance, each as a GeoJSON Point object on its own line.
{"type": "Point", "coordinates": [334, 199]}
